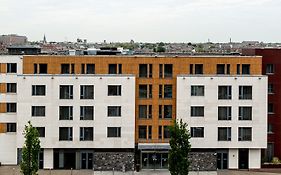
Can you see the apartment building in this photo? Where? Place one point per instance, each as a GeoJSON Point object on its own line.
{"type": "Point", "coordinates": [271, 66]}
{"type": "Point", "coordinates": [113, 111]}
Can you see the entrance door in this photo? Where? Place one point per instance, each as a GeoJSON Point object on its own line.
{"type": "Point", "coordinates": [243, 158]}
{"type": "Point", "coordinates": [222, 160]}
{"type": "Point", "coordinates": [155, 160]}
{"type": "Point", "coordinates": [86, 160]}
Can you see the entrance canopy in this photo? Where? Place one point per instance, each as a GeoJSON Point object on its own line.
{"type": "Point", "coordinates": [146, 146]}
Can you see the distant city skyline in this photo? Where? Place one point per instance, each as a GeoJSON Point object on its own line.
{"type": "Point", "coordinates": [143, 21]}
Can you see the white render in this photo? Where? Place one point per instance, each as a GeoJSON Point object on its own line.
{"type": "Point", "coordinates": [210, 120]}
{"type": "Point", "coordinates": [100, 102]}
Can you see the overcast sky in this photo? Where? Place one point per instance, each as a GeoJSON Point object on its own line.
{"type": "Point", "coordinates": [143, 20]}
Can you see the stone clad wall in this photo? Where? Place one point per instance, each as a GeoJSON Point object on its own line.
{"type": "Point", "coordinates": [205, 161]}
{"type": "Point", "coordinates": [106, 161]}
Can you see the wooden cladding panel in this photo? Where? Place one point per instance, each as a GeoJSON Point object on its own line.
{"type": "Point", "coordinates": [3, 87]}
{"type": "Point", "coordinates": [3, 107]}
{"type": "Point", "coordinates": [3, 68]}
{"type": "Point", "coordinates": [3, 127]}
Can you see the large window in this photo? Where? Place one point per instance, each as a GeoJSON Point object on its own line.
{"type": "Point", "coordinates": [143, 70]}
{"type": "Point", "coordinates": [11, 67]}
{"type": "Point", "coordinates": [66, 92]}
{"type": "Point", "coordinates": [224, 113]}
{"type": "Point", "coordinates": [197, 111]}
{"type": "Point", "coordinates": [86, 133]}
{"type": "Point", "coordinates": [11, 127]}
{"type": "Point", "coordinates": [114, 90]}
{"type": "Point", "coordinates": [12, 107]}
{"type": "Point", "coordinates": [220, 69]}
{"type": "Point", "coordinates": [168, 91]}
{"type": "Point", "coordinates": [245, 134]}
{"type": "Point", "coordinates": [115, 69]}
{"type": "Point", "coordinates": [11, 87]}
{"type": "Point", "coordinates": [167, 134]}
{"type": "Point", "coordinates": [41, 131]}
{"type": "Point", "coordinates": [270, 89]}
{"type": "Point", "coordinates": [142, 132]}
{"type": "Point", "coordinates": [43, 68]}
{"type": "Point", "coordinates": [38, 111]}
{"type": "Point", "coordinates": [86, 92]}
{"type": "Point", "coordinates": [167, 69]}
{"type": "Point", "coordinates": [86, 112]}
{"type": "Point", "coordinates": [224, 133]}
{"type": "Point", "coordinates": [145, 91]}
{"type": "Point", "coordinates": [245, 92]}
{"type": "Point", "coordinates": [246, 69]}
{"type": "Point", "coordinates": [66, 112]}
{"type": "Point", "coordinates": [197, 131]}
{"type": "Point", "coordinates": [145, 111]}
{"type": "Point", "coordinates": [113, 131]}
{"type": "Point", "coordinates": [199, 69]}
{"type": "Point", "coordinates": [269, 69]}
{"type": "Point", "coordinates": [224, 93]}
{"type": "Point", "coordinates": [90, 69]}
{"type": "Point", "coordinates": [165, 111]}
{"type": "Point", "coordinates": [38, 90]}
{"type": "Point", "coordinates": [65, 133]}
{"type": "Point", "coordinates": [270, 108]}
{"type": "Point", "coordinates": [114, 111]}
{"type": "Point", "coordinates": [67, 69]}
{"type": "Point", "coordinates": [245, 113]}
{"type": "Point", "coordinates": [197, 90]}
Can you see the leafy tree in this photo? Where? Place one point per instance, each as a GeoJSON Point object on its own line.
{"type": "Point", "coordinates": [29, 164]}
{"type": "Point", "coordinates": [180, 148]}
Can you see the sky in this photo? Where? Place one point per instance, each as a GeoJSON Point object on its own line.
{"type": "Point", "coordinates": [143, 20]}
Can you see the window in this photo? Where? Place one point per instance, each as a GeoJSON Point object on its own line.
{"type": "Point", "coordinates": [86, 92]}
{"type": "Point", "coordinates": [246, 69]}
{"type": "Point", "coordinates": [197, 111]}
{"type": "Point", "coordinates": [65, 68]}
{"type": "Point", "coordinates": [65, 133]}
{"type": "Point", "coordinates": [12, 107]}
{"type": "Point", "coordinates": [41, 131]}
{"type": "Point", "coordinates": [197, 131]}
{"type": "Point", "coordinates": [238, 69]}
{"type": "Point", "coordinates": [11, 87]}
{"type": "Point", "coordinates": [66, 92]}
{"type": "Point", "coordinates": [191, 69]}
{"type": "Point", "coordinates": [112, 69]}
{"type": "Point", "coordinates": [114, 90]}
{"type": "Point", "coordinates": [142, 132]}
{"type": "Point", "coordinates": [165, 111]}
{"type": "Point", "coordinates": [245, 92]}
{"type": "Point", "coordinates": [114, 111]}
{"type": "Point", "coordinates": [143, 70]}
{"type": "Point", "coordinates": [224, 93]}
{"type": "Point", "coordinates": [168, 91]}
{"type": "Point", "coordinates": [11, 127]}
{"type": "Point", "coordinates": [166, 132]}
{"type": "Point", "coordinates": [220, 69]}
{"type": "Point", "coordinates": [38, 111]}
{"type": "Point", "coordinates": [270, 89]}
{"type": "Point", "coordinates": [198, 68]}
{"type": "Point", "coordinates": [86, 112]}
{"type": "Point", "coordinates": [149, 132]}
{"type": "Point", "coordinates": [245, 134]}
{"type": "Point", "coordinates": [269, 128]}
{"type": "Point", "coordinates": [11, 67]}
{"type": "Point", "coordinates": [86, 133]}
{"type": "Point", "coordinates": [145, 91]}
{"type": "Point", "coordinates": [269, 69]}
{"type": "Point", "coordinates": [224, 133]}
{"type": "Point", "coordinates": [160, 132]}
{"type": "Point", "coordinates": [66, 112]}
{"type": "Point", "coordinates": [245, 113]}
{"type": "Point", "coordinates": [145, 111]}
{"type": "Point", "coordinates": [270, 108]}
{"type": "Point", "coordinates": [90, 68]}
{"type": "Point", "coordinates": [38, 90]}
{"type": "Point", "coordinates": [168, 70]}
{"type": "Point", "coordinates": [43, 68]}
{"type": "Point", "coordinates": [197, 90]}
{"type": "Point", "coordinates": [224, 113]}
{"type": "Point", "coordinates": [113, 131]}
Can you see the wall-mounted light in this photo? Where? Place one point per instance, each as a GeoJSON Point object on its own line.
{"type": "Point", "coordinates": [259, 78]}
{"type": "Point", "coordinates": [23, 77]}
{"type": "Point", "coordinates": [183, 78]}
{"type": "Point", "coordinates": [52, 77]}
{"type": "Point", "coordinates": [212, 78]}
{"type": "Point", "coordinates": [128, 78]}
{"type": "Point", "coordinates": [100, 77]}
{"type": "Point", "coordinates": [235, 78]}
{"type": "Point", "coordinates": [76, 77]}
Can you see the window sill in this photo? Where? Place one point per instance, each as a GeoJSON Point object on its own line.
{"type": "Point", "coordinates": [270, 113]}
{"type": "Point", "coordinates": [11, 93]}
{"type": "Point", "coordinates": [269, 73]}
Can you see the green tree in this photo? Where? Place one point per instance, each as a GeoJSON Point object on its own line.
{"type": "Point", "coordinates": [29, 164]}
{"type": "Point", "coordinates": [180, 148]}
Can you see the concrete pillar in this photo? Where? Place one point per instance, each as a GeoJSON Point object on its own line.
{"type": "Point", "coordinates": [233, 159]}
{"type": "Point", "coordinates": [48, 158]}
{"type": "Point", "coordinates": [254, 158]}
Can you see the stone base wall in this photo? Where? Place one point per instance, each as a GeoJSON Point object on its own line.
{"type": "Point", "coordinates": [203, 161]}
{"type": "Point", "coordinates": [106, 161]}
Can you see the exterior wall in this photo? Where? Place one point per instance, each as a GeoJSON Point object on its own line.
{"type": "Point", "coordinates": [100, 102]}
{"type": "Point", "coordinates": [255, 158]}
{"type": "Point", "coordinates": [48, 158]}
{"type": "Point", "coordinates": [233, 158]}
{"type": "Point", "coordinates": [203, 161]}
{"type": "Point", "coordinates": [8, 151]}
{"type": "Point", "coordinates": [210, 102]}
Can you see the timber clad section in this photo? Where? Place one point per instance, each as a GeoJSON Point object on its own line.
{"type": "Point", "coordinates": [3, 87]}
{"type": "Point", "coordinates": [3, 68]}
{"type": "Point", "coordinates": [130, 65]}
{"type": "Point", "coordinates": [3, 107]}
{"type": "Point", "coordinates": [3, 127]}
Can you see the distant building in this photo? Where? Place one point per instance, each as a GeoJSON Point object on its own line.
{"type": "Point", "coordinates": [24, 50]}
{"type": "Point", "coordinates": [13, 39]}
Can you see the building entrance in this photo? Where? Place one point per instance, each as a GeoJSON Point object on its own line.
{"type": "Point", "coordinates": [86, 160]}
{"type": "Point", "coordinates": [154, 160]}
{"type": "Point", "coordinates": [222, 160]}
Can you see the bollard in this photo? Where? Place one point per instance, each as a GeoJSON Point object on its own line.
{"type": "Point", "coordinates": [112, 171]}
{"type": "Point", "coordinates": [123, 168]}
{"type": "Point", "coordinates": [50, 170]}
{"type": "Point", "coordinates": [14, 171]}
{"type": "Point", "coordinates": [71, 170]}
{"type": "Point", "coordinates": [93, 171]}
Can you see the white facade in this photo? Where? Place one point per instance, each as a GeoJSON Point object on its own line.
{"type": "Point", "coordinates": [210, 121]}
{"type": "Point", "coordinates": [101, 100]}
